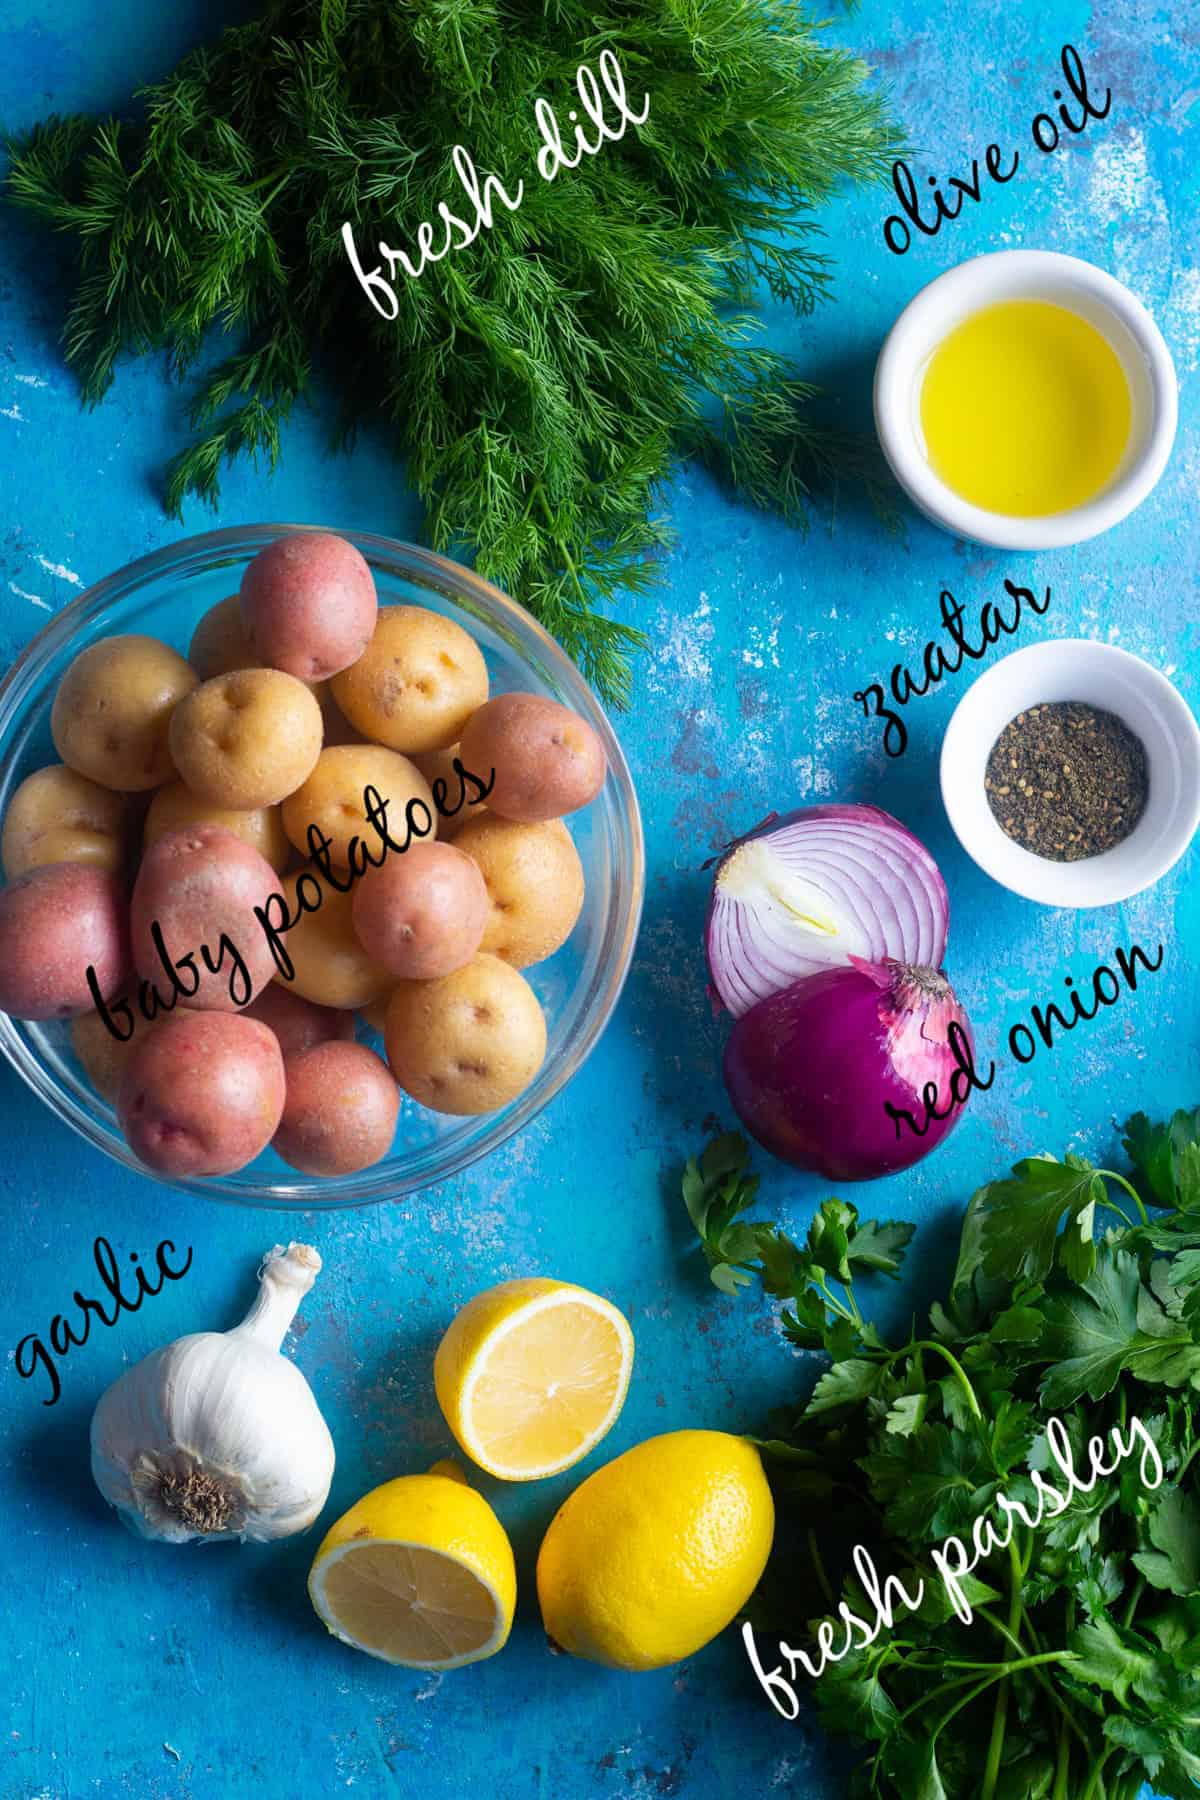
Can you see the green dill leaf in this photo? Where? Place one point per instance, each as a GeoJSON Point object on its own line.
{"type": "Point", "coordinates": [540, 384]}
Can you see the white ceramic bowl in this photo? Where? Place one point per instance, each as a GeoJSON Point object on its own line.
{"type": "Point", "coordinates": [1026, 275]}
{"type": "Point", "coordinates": [1099, 675]}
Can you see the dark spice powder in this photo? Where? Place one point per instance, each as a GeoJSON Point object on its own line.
{"type": "Point", "coordinates": [1067, 780]}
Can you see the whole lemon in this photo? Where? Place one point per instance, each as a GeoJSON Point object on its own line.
{"type": "Point", "coordinates": [656, 1552]}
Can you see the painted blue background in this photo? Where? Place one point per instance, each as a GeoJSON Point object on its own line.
{"type": "Point", "coordinates": [131, 1670]}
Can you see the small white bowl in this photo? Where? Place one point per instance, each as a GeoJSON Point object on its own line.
{"type": "Point", "coordinates": [1026, 275]}
{"type": "Point", "coordinates": [1099, 675]}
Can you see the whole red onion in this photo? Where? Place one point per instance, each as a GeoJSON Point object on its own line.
{"type": "Point", "coordinates": [809, 1069]}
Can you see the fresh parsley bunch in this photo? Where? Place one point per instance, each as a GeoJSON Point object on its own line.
{"type": "Point", "coordinates": [541, 382]}
{"type": "Point", "coordinates": [1079, 1678]}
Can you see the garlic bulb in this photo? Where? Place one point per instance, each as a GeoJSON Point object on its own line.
{"type": "Point", "coordinates": [217, 1435]}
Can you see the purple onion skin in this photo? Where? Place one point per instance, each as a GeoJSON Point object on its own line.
{"type": "Point", "coordinates": [809, 1069]}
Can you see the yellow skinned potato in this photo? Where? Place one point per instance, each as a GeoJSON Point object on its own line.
{"type": "Point", "coordinates": [332, 800]}
{"type": "Point", "coordinates": [374, 1013]}
{"type": "Point", "coordinates": [221, 646]}
{"type": "Point", "coordinates": [174, 807]}
{"type": "Point", "coordinates": [330, 965]}
{"type": "Point", "coordinates": [113, 710]}
{"type": "Point", "coordinates": [104, 1056]}
{"type": "Point", "coordinates": [220, 643]}
{"type": "Point", "coordinates": [469, 1042]}
{"type": "Point", "coordinates": [417, 682]}
{"type": "Point", "coordinates": [437, 766]}
{"type": "Point", "coordinates": [247, 739]}
{"type": "Point", "coordinates": [534, 880]}
{"type": "Point", "coordinates": [58, 816]}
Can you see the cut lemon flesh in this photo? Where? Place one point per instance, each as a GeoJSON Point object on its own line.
{"type": "Point", "coordinates": [409, 1604]}
{"type": "Point", "coordinates": [531, 1374]}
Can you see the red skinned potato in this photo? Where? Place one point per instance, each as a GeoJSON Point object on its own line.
{"type": "Point", "coordinates": [422, 914]}
{"type": "Point", "coordinates": [299, 1024]}
{"type": "Point", "coordinates": [340, 1112]}
{"type": "Point", "coordinates": [200, 888]}
{"type": "Point", "coordinates": [55, 922]}
{"type": "Point", "coordinates": [309, 605]}
{"type": "Point", "coordinates": [547, 760]}
{"type": "Point", "coordinates": [202, 1094]}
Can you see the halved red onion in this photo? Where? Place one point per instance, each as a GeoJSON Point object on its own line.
{"type": "Point", "coordinates": [819, 1072]}
{"type": "Point", "coordinates": [814, 888]}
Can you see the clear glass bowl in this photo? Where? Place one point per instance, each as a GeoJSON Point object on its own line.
{"type": "Point", "coordinates": [164, 595]}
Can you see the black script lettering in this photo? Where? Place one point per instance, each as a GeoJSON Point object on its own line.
{"type": "Point", "coordinates": [109, 1012]}
{"type": "Point", "coordinates": [241, 987]}
{"type": "Point", "coordinates": [1106, 990]}
{"type": "Point", "coordinates": [1127, 962]}
{"type": "Point", "coordinates": [1072, 67]}
{"type": "Point", "coordinates": [993, 157]}
{"type": "Point", "coordinates": [963, 1077]}
{"type": "Point", "coordinates": [937, 664]}
{"type": "Point", "coordinates": [895, 734]}
{"type": "Point", "coordinates": [64, 1335]}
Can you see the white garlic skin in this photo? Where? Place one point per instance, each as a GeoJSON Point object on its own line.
{"type": "Point", "coordinates": [218, 1436]}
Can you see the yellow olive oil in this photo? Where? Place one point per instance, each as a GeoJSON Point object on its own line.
{"type": "Point", "coordinates": [1025, 409]}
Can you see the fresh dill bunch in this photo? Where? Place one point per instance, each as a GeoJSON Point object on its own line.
{"type": "Point", "coordinates": [540, 383]}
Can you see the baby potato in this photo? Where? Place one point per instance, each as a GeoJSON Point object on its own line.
{"type": "Point", "coordinates": [417, 682]}
{"type": "Point", "coordinates": [56, 921]}
{"type": "Point", "coordinates": [534, 880]}
{"type": "Point", "coordinates": [220, 643]}
{"type": "Point", "coordinates": [332, 800]}
{"type": "Point", "coordinates": [331, 966]}
{"type": "Point", "coordinates": [340, 1112]}
{"type": "Point", "coordinates": [175, 808]}
{"type": "Point", "coordinates": [103, 1056]}
{"type": "Point", "coordinates": [58, 816]}
{"type": "Point", "coordinates": [469, 1042]}
{"type": "Point", "coordinates": [113, 708]}
{"type": "Point", "coordinates": [422, 914]}
{"type": "Point", "coordinates": [308, 604]}
{"type": "Point", "coordinates": [247, 739]}
{"type": "Point", "coordinates": [296, 1022]}
{"type": "Point", "coordinates": [456, 797]}
{"type": "Point", "coordinates": [374, 1013]}
{"type": "Point", "coordinates": [547, 761]}
{"type": "Point", "coordinates": [200, 887]}
{"type": "Point", "coordinates": [202, 1093]}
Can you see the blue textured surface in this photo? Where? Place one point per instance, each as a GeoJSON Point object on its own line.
{"type": "Point", "coordinates": [131, 1670]}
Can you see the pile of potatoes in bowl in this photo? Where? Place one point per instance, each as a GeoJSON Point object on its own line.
{"type": "Point", "coordinates": [317, 819]}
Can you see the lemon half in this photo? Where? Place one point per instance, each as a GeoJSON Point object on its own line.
{"type": "Point", "coordinates": [419, 1572]}
{"type": "Point", "coordinates": [531, 1374]}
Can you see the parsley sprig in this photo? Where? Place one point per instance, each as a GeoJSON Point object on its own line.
{"type": "Point", "coordinates": [1076, 1293]}
{"type": "Point", "coordinates": [540, 383]}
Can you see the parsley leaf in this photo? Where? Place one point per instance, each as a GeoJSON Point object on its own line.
{"type": "Point", "coordinates": [1021, 1216]}
{"type": "Point", "coordinates": [1174, 1562]}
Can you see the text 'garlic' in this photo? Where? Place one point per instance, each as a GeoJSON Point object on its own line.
{"type": "Point", "coordinates": [217, 1435]}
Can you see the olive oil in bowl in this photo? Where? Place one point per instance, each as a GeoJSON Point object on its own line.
{"type": "Point", "coordinates": [1025, 409]}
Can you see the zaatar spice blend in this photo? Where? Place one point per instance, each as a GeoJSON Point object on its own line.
{"type": "Point", "coordinates": [1066, 780]}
